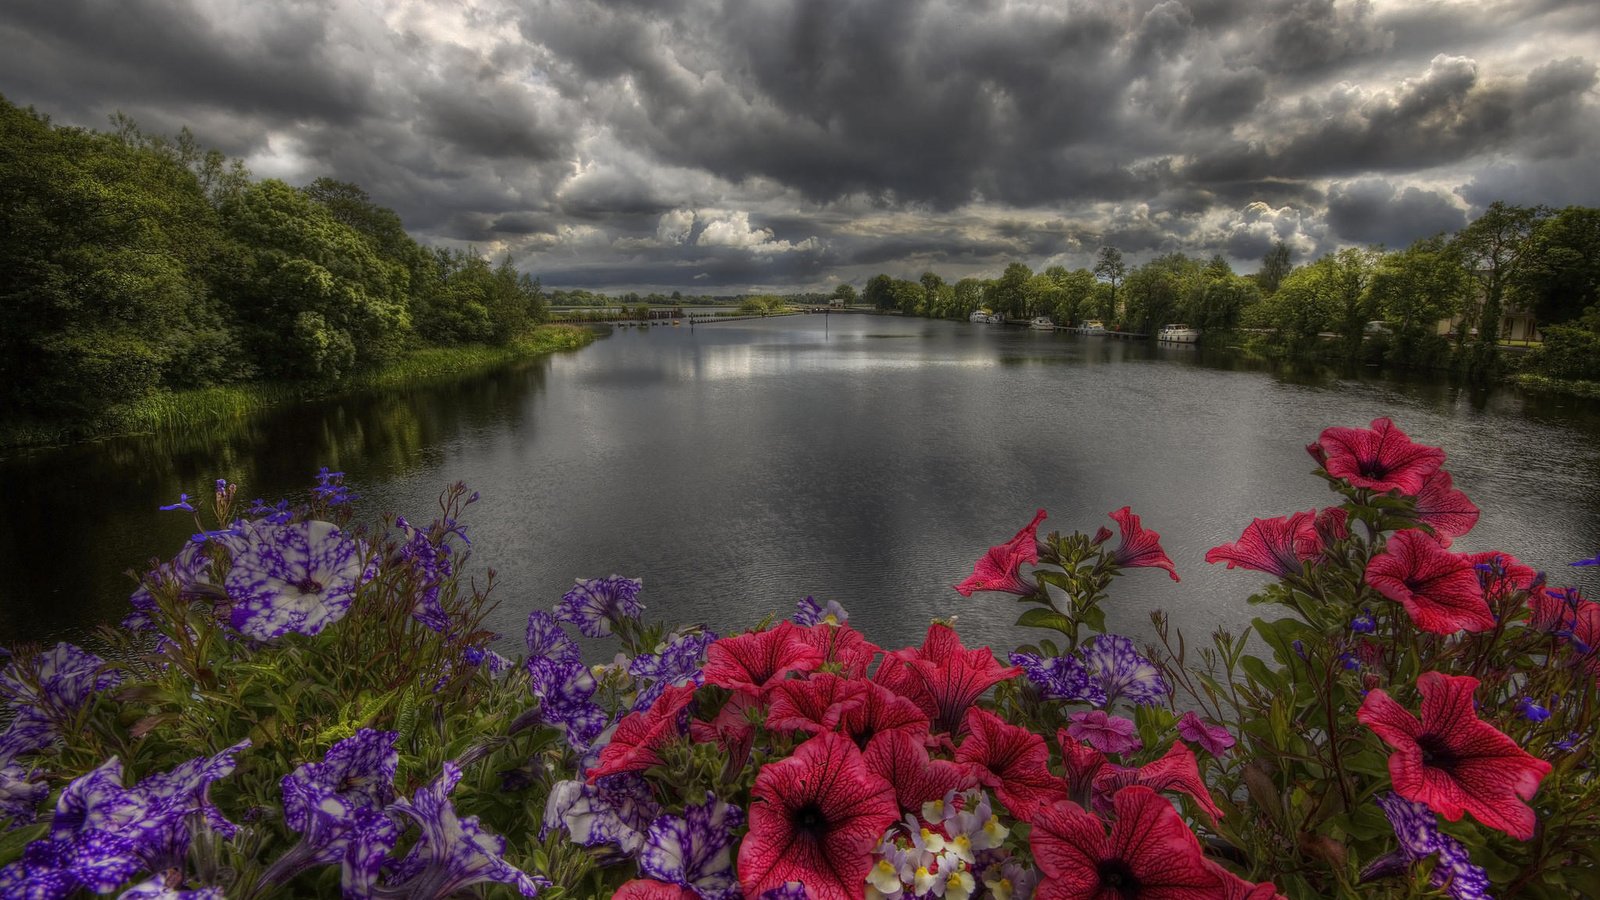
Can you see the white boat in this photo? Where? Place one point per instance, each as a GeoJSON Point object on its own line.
{"type": "Point", "coordinates": [1178, 334]}
{"type": "Point", "coordinates": [980, 316]}
{"type": "Point", "coordinates": [1093, 326]}
{"type": "Point", "coordinates": [1042, 323]}
{"type": "Point", "coordinates": [998, 318]}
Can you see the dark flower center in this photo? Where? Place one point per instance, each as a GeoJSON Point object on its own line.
{"type": "Point", "coordinates": [309, 586]}
{"type": "Point", "coordinates": [1372, 468]}
{"type": "Point", "coordinates": [1435, 752]}
{"type": "Point", "coordinates": [810, 819]}
{"type": "Point", "coordinates": [1116, 876]}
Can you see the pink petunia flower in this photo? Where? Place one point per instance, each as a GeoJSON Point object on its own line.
{"type": "Point", "coordinates": [1176, 770]}
{"type": "Point", "coordinates": [1444, 509]}
{"type": "Point", "coordinates": [1013, 761]}
{"type": "Point", "coordinates": [882, 710]}
{"type": "Point", "coordinates": [754, 663]}
{"type": "Point", "coordinates": [1381, 458]}
{"type": "Point", "coordinates": [639, 737]}
{"type": "Point", "coordinates": [1439, 589]}
{"type": "Point", "coordinates": [1452, 760]}
{"type": "Point", "coordinates": [814, 704]}
{"type": "Point", "coordinates": [1276, 546]}
{"type": "Point", "coordinates": [1150, 853]}
{"type": "Point", "coordinates": [1214, 738]}
{"type": "Point", "coordinates": [903, 761]}
{"type": "Point", "coordinates": [815, 818]}
{"type": "Point", "coordinates": [1000, 568]}
{"type": "Point", "coordinates": [953, 675]}
{"type": "Point", "coordinates": [1139, 547]}
{"type": "Point", "coordinates": [1106, 733]}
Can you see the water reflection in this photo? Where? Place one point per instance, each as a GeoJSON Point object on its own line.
{"type": "Point", "coordinates": [739, 466]}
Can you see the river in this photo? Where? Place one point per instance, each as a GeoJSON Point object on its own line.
{"type": "Point", "coordinates": [737, 467]}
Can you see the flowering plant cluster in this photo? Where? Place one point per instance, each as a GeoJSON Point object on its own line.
{"type": "Point", "coordinates": [299, 706]}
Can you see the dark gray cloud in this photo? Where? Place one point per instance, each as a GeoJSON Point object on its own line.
{"type": "Point", "coordinates": [792, 143]}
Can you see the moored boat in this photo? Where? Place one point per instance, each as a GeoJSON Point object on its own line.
{"type": "Point", "coordinates": [1178, 334]}
{"type": "Point", "coordinates": [1042, 323]}
{"type": "Point", "coordinates": [1093, 326]}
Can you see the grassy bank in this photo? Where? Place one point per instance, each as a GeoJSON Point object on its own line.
{"type": "Point", "coordinates": [209, 406]}
{"type": "Point", "coordinates": [1547, 385]}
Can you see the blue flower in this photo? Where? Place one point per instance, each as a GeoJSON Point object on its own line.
{"type": "Point", "coordinates": [1418, 830]}
{"type": "Point", "coordinates": [1591, 561]}
{"type": "Point", "coordinates": [694, 850]}
{"type": "Point", "coordinates": [96, 861]}
{"type": "Point", "coordinates": [20, 793]}
{"type": "Point", "coordinates": [45, 690]}
{"type": "Point", "coordinates": [166, 887]}
{"type": "Point", "coordinates": [183, 504]}
{"type": "Point", "coordinates": [321, 799]}
{"type": "Point", "coordinates": [1532, 711]}
{"type": "Point", "coordinates": [1365, 623]}
{"type": "Point", "coordinates": [453, 852]}
{"type": "Point", "coordinates": [595, 605]}
{"type": "Point", "coordinates": [1060, 678]}
{"type": "Point", "coordinates": [1122, 673]}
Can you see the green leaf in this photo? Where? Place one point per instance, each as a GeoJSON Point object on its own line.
{"type": "Point", "coordinates": [1047, 618]}
{"type": "Point", "coordinates": [12, 843]}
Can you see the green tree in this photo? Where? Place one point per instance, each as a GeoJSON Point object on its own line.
{"type": "Point", "coordinates": [1493, 248]}
{"type": "Point", "coordinates": [1347, 278]}
{"type": "Point", "coordinates": [1110, 268]}
{"type": "Point", "coordinates": [1275, 267]}
{"type": "Point", "coordinates": [1560, 278]}
{"type": "Point", "coordinates": [969, 294]}
{"type": "Point", "coordinates": [878, 294]}
{"type": "Point", "coordinates": [1007, 294]}
{"type": "Point", "coordinates": [1154, 292]}
{"type": "Point", "coordinates": [313, 298]}
{"type": "Point", "coordinates": [845, 293]}
{"type": "Point", "coordinates": [1414, 289]}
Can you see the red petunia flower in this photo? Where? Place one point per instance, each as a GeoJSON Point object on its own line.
{"type": "Point", "coordinates": [755, 662]}
{"type": "Point", "coordinates": [733, 729]}
{"type": "Point", "coordinates": [650, 889]}
{"type": "Point", "coordinates": [815, 818]}
{"type": "Point", "coordinates": [1236, 888]}
{"type": "Point", "coordinates": [999, 569]}
{"type": "Point", "coordinates": [1175, 771]}
{"type": "Point", "coordinates": [814, 704]}
{"type": "Point", "coordinates": [1382, 458]}
{"type": "Point", "coordinates": [1150, 853]}
{"type": "Point", "coordinates": [1453, 761]}
{"type": "Point", "coordinates": [1332, 525]}
{"type": "Point", "coordinates": [1083, 765]}
{"type": "Point", "coordinates": [843, 646]}
{"type": "Point", "coordinates": [1139, 547]}
{"type": "Point", "coordinates": [1013, 761]}
{"type": "Point", "coordinates": [637, 743]}
{"type": "Point", "coordinates": [1444, 509]}
{"type": "Point", "coordinates": [1275, 546]}
{"type": "Point", "coordinates": [883, 710]}
{"type": "Point", "coordinates": [1438, 588]}
{"type": "Point", "coordinates": [953, 675]}
{"type": "Point", "coordinates": [1502, 572]}
{"type": "Point", "coordinates": [903, 761]}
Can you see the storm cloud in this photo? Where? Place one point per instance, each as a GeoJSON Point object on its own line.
{"type": "Point", "coordinates": [792, 144]}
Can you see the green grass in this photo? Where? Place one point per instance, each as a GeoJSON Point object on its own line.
{"type": "Point", "coordinates": [1547, 385]}
{"type": "Point", "coordinates": [228, 403]}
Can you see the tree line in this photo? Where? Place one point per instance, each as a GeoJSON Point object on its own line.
{"type": "Point", "coordinates": [132, 264]}
{"type": "Point", "coordinates": [1536, 260]}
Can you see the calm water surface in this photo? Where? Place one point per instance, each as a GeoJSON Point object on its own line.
{"type": "Point", "coordinates": [740, 466]}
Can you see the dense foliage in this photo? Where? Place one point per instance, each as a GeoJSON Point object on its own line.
{"type": "Point", "coordinates": [1439, 301]}
{"type": "Point", "coordinates": [132, 265]}
{"type": "Point", "coordinates": [299, 706]}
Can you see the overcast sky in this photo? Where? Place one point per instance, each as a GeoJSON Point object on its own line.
{"type": "Point", "coordinates": [719, 145]}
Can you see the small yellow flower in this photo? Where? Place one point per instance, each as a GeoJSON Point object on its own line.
{"type": "Point", "coordinates": [959, 886]}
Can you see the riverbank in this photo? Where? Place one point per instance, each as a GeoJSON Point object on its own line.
{"type": "Point", "coordinates": [224, 403]}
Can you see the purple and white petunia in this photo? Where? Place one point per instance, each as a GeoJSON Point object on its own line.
{"type": "Point", "coordinates": [94, 861]}
{"type": "Point", "coordinates": [296, 578]}
{"type": "Point", "coordinates": [154, 815]}
{"type": "Point", "coordinates": [20, 794]}
{"type": "Point", "coordinates": [1418, 830]}
{"type": "Point", "coordinates": [46, 690]}
{"type": "Point", "coordinates": [551, 651]}
{"type": "Point", "coordinates": [694, 850]}
{"type": "Point", "coordinates": [453, 852]}
{"type": "Point", "coordinates": [615, 810]}
{"type": "Point", "coordinates": [321, 799]}
{"type": "Point", "coordinates": [1060, 678]}
{"type": "Point", "coordinates": [190, 567]}
{"type": "Point", "coordinates": [168, 886]}
{"type": "Point", "coordinates": [372, 837]}
{"type": "Point", "coordinates": [809, 612]}
{"type": "Point", "coordinates": [596, 605]}
{"type": "Point", "coordinates": [1122, 672]}
{"type": "Point", "coordinates": [679, 660]}
{"type": "Point", "coordinates": [789, 890]}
